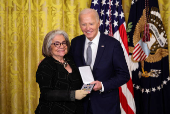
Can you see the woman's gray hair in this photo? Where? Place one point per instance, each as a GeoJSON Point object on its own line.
{"type": "Point", "coordinates": [46, 48]}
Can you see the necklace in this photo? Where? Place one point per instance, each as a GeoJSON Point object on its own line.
{"type": "Point", "coordinates": [64, 63]}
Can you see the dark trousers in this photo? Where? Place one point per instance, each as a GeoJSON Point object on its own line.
{"type": "Point", "coordinates": [89, 109]}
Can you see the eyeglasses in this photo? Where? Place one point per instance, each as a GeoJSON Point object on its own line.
{"type": "Point", "coordinates": [58, 44]}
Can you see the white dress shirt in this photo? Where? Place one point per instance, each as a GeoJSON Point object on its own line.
{"type": "Point", "coordinates": [94, 47]}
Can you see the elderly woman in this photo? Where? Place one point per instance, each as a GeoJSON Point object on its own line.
{"type": "Point", "coordinates": [58, 78]}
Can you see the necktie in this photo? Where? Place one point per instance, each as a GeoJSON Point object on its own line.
{"type": "Point", "coordinates": [89, 54]}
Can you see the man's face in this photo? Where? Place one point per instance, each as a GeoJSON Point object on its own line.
{"type": "Point", "coordinates": [89, 25]}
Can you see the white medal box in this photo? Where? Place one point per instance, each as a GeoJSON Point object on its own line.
{"type": "Point", "coordinates": [87, 78]}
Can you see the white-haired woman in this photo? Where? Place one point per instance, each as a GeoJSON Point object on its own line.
{"type": "Point", "coordinates": [58, 78]}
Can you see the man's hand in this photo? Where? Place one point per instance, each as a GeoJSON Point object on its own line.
{"type": "Point", "coordinates": [98, 85]}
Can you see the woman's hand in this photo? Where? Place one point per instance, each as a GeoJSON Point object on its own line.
{"type": "Point", "coordinates": [79, 94]}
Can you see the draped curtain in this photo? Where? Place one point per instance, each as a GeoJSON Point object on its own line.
{"type": "Point", "coordinates": [23, 25]}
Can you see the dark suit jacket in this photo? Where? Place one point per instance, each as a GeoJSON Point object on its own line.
{"type": "Point", "coordinates": [57, 88]}
{"type": "Point", "coordinates": [110, 68]}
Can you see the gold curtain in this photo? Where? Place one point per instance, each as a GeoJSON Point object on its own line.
{"type": "Point", "coordinates": [23, 25]}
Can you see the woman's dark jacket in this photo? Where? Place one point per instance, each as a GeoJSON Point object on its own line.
{"type": "Point", "coordinates": [57, 88]}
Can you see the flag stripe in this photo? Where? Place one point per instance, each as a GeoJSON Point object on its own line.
{"type": "Point", "coordinates": [136, 48]}
{"type": "Point", "coordinates": [124, 38]}
{"type": "Point", "coordinates": [128, 94]}
{"type": "Point", "coordinates": [122, 110]}
{"type": "Point", "coordinates": [138, 54]}
{"type": "Point", "coordinates": [130, 86]}
{"type": "Point", "coordinates": [124, 103]}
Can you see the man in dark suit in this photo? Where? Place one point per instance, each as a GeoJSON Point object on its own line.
{"type": "Point", "coordinates": [107, 62]}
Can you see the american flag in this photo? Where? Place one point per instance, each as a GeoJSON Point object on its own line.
{"type": "Point", "coordinates": [112, 23]}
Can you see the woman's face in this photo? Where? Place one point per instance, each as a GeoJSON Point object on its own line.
{"type": "Point", "coordinates": [58, 47]}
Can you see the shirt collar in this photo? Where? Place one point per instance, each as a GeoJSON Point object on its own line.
{"type": "Point", "coordinates": [95, 40]}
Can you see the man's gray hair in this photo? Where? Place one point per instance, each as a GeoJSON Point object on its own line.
{"type": "Point", "coordinates": [89, 10]}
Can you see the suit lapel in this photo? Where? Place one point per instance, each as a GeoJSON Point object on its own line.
{"type": "Point", "coordinates": [100, 50]}
{"type": "Point", "coordinates": [82, 44]}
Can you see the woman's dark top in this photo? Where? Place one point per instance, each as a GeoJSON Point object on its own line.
{"type": "Point", "coordinates": [57, 88]}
